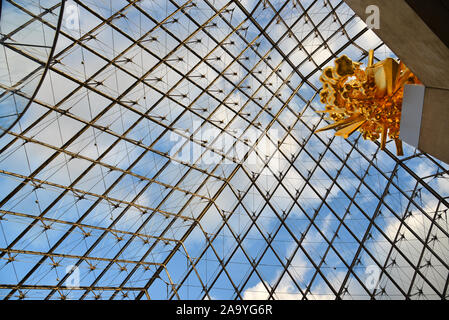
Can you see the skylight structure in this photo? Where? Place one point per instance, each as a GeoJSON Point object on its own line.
{"type": "Point", "coordinates": [166, 149]}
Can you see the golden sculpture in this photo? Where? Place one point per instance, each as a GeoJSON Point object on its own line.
{"type": "Point", "coordinates": [367, 100]}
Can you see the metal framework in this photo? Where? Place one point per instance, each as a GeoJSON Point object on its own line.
{"type": "Point", "coordinates": [114, 187]}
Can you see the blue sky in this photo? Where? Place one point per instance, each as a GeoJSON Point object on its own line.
{"type": "Point", "coordinates": [144, 201]}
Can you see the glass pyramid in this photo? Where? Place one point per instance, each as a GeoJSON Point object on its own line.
{"type": "Point", "coordinates": [158, 149]}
